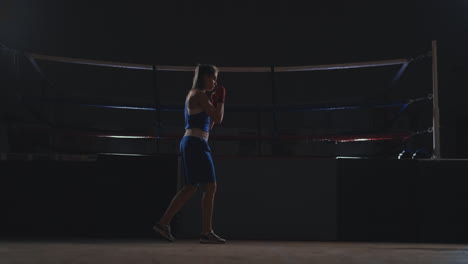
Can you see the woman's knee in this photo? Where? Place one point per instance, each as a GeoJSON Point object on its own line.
{"type": "Point", "coordinates": [189, 188]}
{"type": "Point", "coordinates": [209, 188]}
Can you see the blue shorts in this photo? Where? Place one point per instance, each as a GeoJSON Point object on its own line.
{"type": "Point", "coordinates": [197, 162]}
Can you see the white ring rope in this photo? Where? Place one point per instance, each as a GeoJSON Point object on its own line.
{"type": "Point", "coordinates": [222, 69]}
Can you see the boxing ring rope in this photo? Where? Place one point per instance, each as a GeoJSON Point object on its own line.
{"type": "Point", "coordinates": [273, 108]}
{"type": "Point", "coordinates": [246, 108]}
{"type": "Point", "coordinates": [402, 136]}
{"type": "Point", "coordinates": [148, 67]}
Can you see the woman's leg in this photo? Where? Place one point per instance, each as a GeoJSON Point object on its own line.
{"type": "Point", "coordinates": [209, 191]}
{"type": "Point", "coordinates": [177, 203]}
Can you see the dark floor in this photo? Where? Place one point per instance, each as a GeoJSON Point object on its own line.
{"type": "Point", "coordinates": [191, 251]}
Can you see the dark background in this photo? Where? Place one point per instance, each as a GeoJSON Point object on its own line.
{"type": "Point", "coordinates": [245, 33]}
{"type": "Point", "coordinates": [231, 32]}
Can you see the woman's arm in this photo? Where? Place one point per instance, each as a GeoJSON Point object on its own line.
{"type": "Point", "coordinates": [211, 124]}
{"type": "Point", "coordinates": [216, 113]}
{"type": "Point", "coordinates": [220, 109]}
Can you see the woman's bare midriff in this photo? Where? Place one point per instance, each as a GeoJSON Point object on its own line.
{"type": "Point", "coordinates": [196, 132]}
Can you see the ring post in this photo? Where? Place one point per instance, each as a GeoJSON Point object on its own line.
{"type": "Point", "coordinates": [259, 131]}
{"type": "Point", "coordinates": [158, 106]}
{"type": "Point", "coordinates": [435, 105]}
{"type": "Point", "coordinates": [274, 112]}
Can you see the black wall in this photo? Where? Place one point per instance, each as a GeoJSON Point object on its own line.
{"type": "Point", "coordinates": [402, 200]}
{"type": "Point", "coordinates": [381, 200]}
{"type": "Point", "coordinates": [112, 197]}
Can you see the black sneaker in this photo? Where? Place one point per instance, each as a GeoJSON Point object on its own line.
{"type": "Point", "coordinates": [211, 238]}
{"type": "Point", "coordinates": [165, 231]}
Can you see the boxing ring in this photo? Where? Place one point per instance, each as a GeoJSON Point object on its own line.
{"type": "Point", "coordinates": [263, 136]}
{"type": "Point", "coordinates": [316, 152]}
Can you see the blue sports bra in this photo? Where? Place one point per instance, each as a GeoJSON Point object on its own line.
{"type": "Point", "coordinates": [200, 120]}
